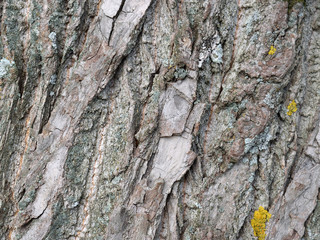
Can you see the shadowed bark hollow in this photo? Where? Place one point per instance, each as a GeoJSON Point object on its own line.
{"type": "Point", "coordinates": [159, 119]}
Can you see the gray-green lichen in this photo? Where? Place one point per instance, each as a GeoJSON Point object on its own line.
{"type": "Point", "coordinates": [5, 66]}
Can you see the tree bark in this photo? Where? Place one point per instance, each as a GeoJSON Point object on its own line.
{"type": "Point", "coordinates": [159, 119]}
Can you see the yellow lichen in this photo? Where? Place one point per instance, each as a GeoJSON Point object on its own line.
{"type": "Point", "coordinates": [292, 107]}
{"type": "Point", "coordinates": [258, 223]}
{"type": "Point", "coordinates": [272, 50]}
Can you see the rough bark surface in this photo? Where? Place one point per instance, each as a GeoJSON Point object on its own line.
{"type": "Point", "coordinates": [159, 119]}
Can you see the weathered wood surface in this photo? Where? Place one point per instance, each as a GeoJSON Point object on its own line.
{"type": "Point", "coordinates": [163, 119]}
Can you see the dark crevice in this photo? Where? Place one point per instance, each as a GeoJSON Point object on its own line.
{"type": "Point", "coordinates": [21, 194]}
{"type": "Point", "coordinates": [291, 170]}
{"type": "Point", "coordinates": [57, 24]}
{"type": "Point", "coordinates": [138, 110]}
{"type": "Point", "coordinates": [48, 107]}
{"type": "Point", "coordinates": [271, 178]}
{"type": "Point", "coordinates": [151, 79]}
{"type": "Point", "coordinates": [1, 38]}
{"type": "Point", "coordinates": [182, 207]}
{"type": "Point", "coordinates": [149, 166]}
{"type": "Point", "coordinates": [21, 81]}
{"type": "Point", "coordinates": [242, 229]}
{"type": "Point", "coordinates": [67, 58]}
{"type": "Point", "coordinates": [115, 19]}
{"type": "Point", "coordinates": [30, 220]}
{"type": "Point", "coordinates": [83, 28]}
{"type": "Point", "coordinates": [161, 219]}
{"type": "Point", "coordinates": [309, 219]}
{"type": "Point", "coordinates": [1, 13]}
{"type": "Point", "coordinates": [256, 173]}
{"type": "Point", "coordinates": [13, 32]}
{"type": "Point", "coordinates": [58, 220]}
{"type": "Point", "coordinates": [66, 61]}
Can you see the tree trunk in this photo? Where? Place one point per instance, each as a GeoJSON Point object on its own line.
{"type": "Point", "coordinates": [159, 119]}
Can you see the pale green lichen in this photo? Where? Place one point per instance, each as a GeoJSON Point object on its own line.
{"type": "Point", "coordinates": [5, 64]}
{"type": "Point", "coordinates": [180, 73]}
{"type": "Point", "coordinates": [53, 38]}
{"type": "Point", "coordinates": [216, 54]}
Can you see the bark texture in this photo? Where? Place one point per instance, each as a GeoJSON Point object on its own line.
{"type": "Point", "coordinates": [159, 119]}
